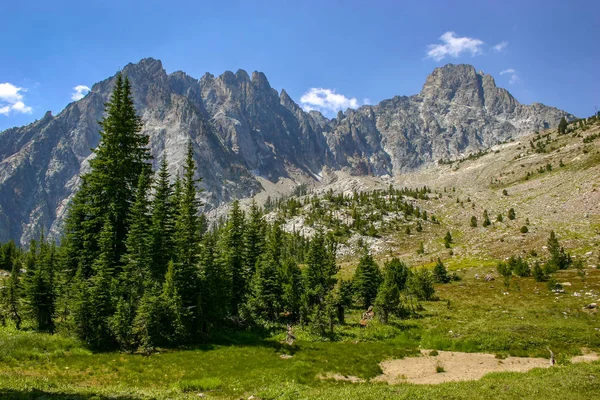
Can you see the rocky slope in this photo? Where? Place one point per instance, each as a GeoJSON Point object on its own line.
{"type": "Point", "coordinates": [244, 132]}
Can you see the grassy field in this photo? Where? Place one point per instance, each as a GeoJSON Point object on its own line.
{"type": "Point", "coordinates": [470, 315]}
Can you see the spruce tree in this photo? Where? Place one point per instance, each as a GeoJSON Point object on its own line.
{"type": "Point", "coordinates": [8, 255]}
{"type": "Point", "coordinates": [420, 284]}
{"type": "Point", "coordinates": [175, 314]}
{"type": "Point", "coordinates": [320, 268]}
{"type": "Point", "coordinates": [232, 260]}
{"type": "Point", "coordinates": [440, 273]}
{"type": "Point", "coordinates": [187, 238]}
{"type": "Point", "coordinates": [107, 191]}
{"type": "Point", "coordinates": [395, 277]}
{"type": "Point", "coordinates": [559, 259]}
{"type": "Point", "coordinates": [136, 273]}
{"type": "Point", "coordinates": [40, 289]}
{"type": "Point", "coordinates": [486, 219]}
{"type": "Point", "coordinates": [254, 238]}
{"type": "Point", "coordinates": [511, 214]}
{"type": "Point", "coordinates": [366, 280]}
{"type": "Point", "coordinates": [13, 295]}
{"type": "Point", "coordinates": [265, 301]}
{"type": "Point", "coordinates": [98, 306]}
{"type": "Point", "coordinates": [562, 125]}
{"type": "Point", "coordinates": [214, 283]}
{"type": "Point", "coordinates": [473, 222]}
{"type": "Point", "coordinates": [293, 288]}
{"type": "Point", "coordinates": [162, 224]}
{"type": "Point", "coordinates": [448, 240]}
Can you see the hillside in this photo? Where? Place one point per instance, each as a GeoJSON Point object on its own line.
{"type": "Point", "coordinates": [565, 199]}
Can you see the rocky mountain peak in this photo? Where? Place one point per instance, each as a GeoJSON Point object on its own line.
{"type": "Point", "coordinates": [243, 131]}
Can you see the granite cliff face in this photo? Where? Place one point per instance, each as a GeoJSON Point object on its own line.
{"type": "Point", "coordinates": [242, 129]}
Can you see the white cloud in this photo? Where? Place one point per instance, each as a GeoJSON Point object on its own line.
{"type": "Point", "coordinates": [514, 78]}
{"type": "Point", "coordinates": [11, 99]}
{"type": "Point", "coordinates": [326, 101]}
{"type": "Point", "coordinates": [79, 92]}
{"type": "Point", "coordinates": [500, 46]}
{"type": "Point", "coordinates": [454, 46]}
{"type": "Point", "coordinates": [366, 101]}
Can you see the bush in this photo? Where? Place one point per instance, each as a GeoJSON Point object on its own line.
{"type": "Point", "coordinates": [420, 284]}
{"type": "Point", "coordinates": [524, 229]}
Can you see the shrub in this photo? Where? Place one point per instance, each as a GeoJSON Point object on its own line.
{"type": "Point", "coordinates": [448, 239]}
{"type": "Point", "coordinates": [474, 221]}
{"type": "Point", "coordinates": [511, 214]}
{"type": "Point", "coordinates": [524, 229]}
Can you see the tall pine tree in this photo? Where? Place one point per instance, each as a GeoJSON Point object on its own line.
{"type": "Point", "coordinates": [107, 191]}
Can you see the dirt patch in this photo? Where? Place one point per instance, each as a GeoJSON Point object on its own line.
{"type": "Point", "coordinates": [586, 357]}
{"type": "Point", "coordinates": [450, 366]}
{"type": "Point", "coordinates": [340, 377]}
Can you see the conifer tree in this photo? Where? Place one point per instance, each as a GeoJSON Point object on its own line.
{"type": "Point", "coordinates": [473, 222]}
{"type": "Point", "coordinates": [232, 258]}
{"type": "Point", "coordinates": [559, 259]}
{"type": "Point", "coordinates": [420, 284]}
{"type": "Point", "coordinates": [448, 240]}
{"type": "Point", "coordinates": [293, 288]}
{"type": "Point", "coordinates": [136, 273]}
{"type": "Point", "coordinates": [511, 214]}
{"type": "Point", "coordinates": [162, 225]}
{"type": "Point", "coordinates": [395, 277]}
{"type": "Point", "coordinates": [175, 314]}
{"type": "Point", "coordinates": [214, 282]}
{"type": "Point", "coordinates": [265, 301]}
{"type": "Point", "coordinates": [440, 273]}
{"type": "Point", "coordinates": [254, 238]}
{"type": "Point", "coordinates": [40, 291]}
{"type": "Point", "coordinates": [486, 219]}
{"type": "Point", "coordinates": [366, 280]}
{"type": "Point", "coordinates": [13, 295]}
{"type": "Point", "coordinates": [320, 268]}
{"type": "Point", "coordinates": [98, 307]}
{"type": "Point", "coordinates": [187, 243]}
{"type": "Point", "coordinates": [562, 125]}
{"type": "Point", "coordinates": [107, 190]}
{"type": "Point", "coordinates": [7, 256]}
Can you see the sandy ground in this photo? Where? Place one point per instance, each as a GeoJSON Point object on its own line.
{"type": "Point", "coordinates": [459, 366]}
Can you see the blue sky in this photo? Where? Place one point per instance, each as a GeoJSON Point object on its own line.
{"type": "Point", "coordinates": [330, 53]}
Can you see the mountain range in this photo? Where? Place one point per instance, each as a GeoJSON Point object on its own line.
{"type": "Point", "coordinates": [245, 132]}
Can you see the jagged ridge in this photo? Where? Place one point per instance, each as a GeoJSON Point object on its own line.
{"type": "Point", "coordinates": [241, 128]}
